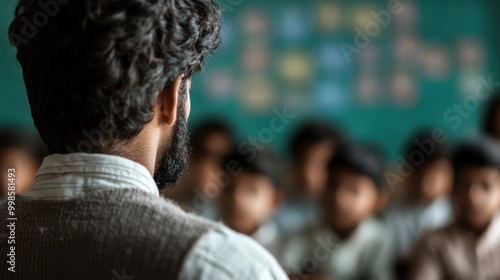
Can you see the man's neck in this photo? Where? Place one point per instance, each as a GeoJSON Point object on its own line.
{"type": "Point", "coordinates": [136, 150]}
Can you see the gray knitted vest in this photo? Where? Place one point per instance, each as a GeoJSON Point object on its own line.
{"type": "Point", "coordinates": [113, 234]}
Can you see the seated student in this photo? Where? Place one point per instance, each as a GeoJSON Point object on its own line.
{"type": "Point", "coordinates": [23, 151]}
{"type": "Point", "coordinates": [425, 205]}
{"type": "Point", "coordinates": [248, 203]}
{"type": "Point", "coordinates": [469, 248]}
{"type": "Point", "coordinates": [350, 243]}
{"type": "Point", "coordinates": [311, 147]}
{"type": "Point", "coordinates": [212, 140]}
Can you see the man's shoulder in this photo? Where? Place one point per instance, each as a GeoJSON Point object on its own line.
{"type": "Point", "coordinates": [224, 254]}
{"type": "Point", "coordinates": [217, 252]}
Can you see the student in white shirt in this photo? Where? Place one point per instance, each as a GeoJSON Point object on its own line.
{"type": "Point", "coordinates": [425, 205]}
{"type": "Point", "coordinates": [311, 146]}
{"type": "Point", "coordinates": [349, 243]}
{"type": "Point", "coordinates": [249, 201]}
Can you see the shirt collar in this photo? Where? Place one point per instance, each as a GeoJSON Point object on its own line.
{"type": "Point", "coordinates": [76, 174]}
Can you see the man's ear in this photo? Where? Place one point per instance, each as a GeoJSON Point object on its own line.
{"type": "Point", "coordinates": [168, 100]}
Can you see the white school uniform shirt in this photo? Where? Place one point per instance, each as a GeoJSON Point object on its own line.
{"type": "Point", "coordinates": [365, 254]}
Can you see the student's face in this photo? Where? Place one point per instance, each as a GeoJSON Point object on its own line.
{"type": "Point", "coordinates": [477, 195]}
{"type": "Point", "coordinates": [247, 202]}
{"type": "Point", "coordinates": [208, 166]}
{"type": "Point", "coordinates": [26, 168]}
{"type": "Point", "coordinates": [349, 198]}
{"type": "Point", "coordinates": [217, 144]}
{"type": "Point", "coordinates": [433, 180]}
{"type": "Point", "coordinates": [205, 173]}
{"type": "Point", "coordinates": [311, 171]}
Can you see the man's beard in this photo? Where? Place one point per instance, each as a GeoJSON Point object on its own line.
{"type": "Point", "coordinates": [175, 159]}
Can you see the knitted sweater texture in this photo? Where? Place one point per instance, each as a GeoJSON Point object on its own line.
{"type": "Point", "coordinates": [119, 234]}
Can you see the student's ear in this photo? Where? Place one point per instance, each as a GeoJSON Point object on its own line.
{"type": "Point", "coordinates": [168, 100]}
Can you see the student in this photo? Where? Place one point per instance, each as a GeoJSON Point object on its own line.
{"type": "Point", "coordinates": [24, 151]}
{"type": "Point", "coordinates": [425, 205]}
{"type": "Point", "coordinates": [247, 204]}
{"type": "Point", "coordinates": [312, 145]}
{"type": "Point", "coordinates": [469, 248]}
{"type": "Point", "coordinates": [109, 84]}
{"type": "Point", "coordinates": [349, 243]}
{"type": "Point", "coordinates": [212, 140]}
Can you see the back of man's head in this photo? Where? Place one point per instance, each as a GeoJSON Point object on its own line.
{"type": "Point", "coordinates": [99, 65]}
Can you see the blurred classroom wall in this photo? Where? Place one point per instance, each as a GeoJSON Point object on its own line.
{"type": "Point", "coordinates": [309, 57]}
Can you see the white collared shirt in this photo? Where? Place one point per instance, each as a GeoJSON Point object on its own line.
{"type": "Point", "coordinates": [408, 222]}
{"type": "Point", "coordinates": [66, 176]}
{"type": "Point", "coordinates": [364, 254]}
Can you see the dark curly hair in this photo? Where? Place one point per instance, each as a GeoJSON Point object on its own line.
{"type": "Point", "coordinates": [100, 64]}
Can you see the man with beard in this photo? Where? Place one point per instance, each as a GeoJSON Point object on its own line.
{"type": "Point", "coordinates": [108, 84]}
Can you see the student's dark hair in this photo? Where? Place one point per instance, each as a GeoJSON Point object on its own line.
{"type": "Point", "coordinates": [423, 137]}
{"type": "Point", "coordinates": [100, 64]}
{"type": "Point", "coordinates": [478, 152]}
{"type": "Point", "coordinates": [361, 159]}
{"type": "Point", "coordinates": [266, 162]}
{"type": "Point", "coordinates": [491, 115]}
{"type": "Point", "coordinates": [28, 141]}
{"type": "Point", "coordinates": [312, 133]}
{"type": "Point", "coordinates": [202, 130]}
